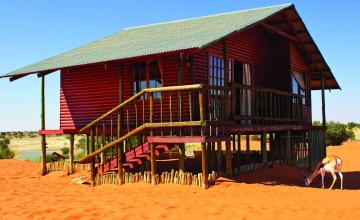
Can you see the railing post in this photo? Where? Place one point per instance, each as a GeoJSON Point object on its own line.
{"type": "Point", "coordinates": [203, 144]}
{"type": "Point", "coordinates": [92, 148]}
{"type": "Point", "coordinates": [152, 146]}
{"type": "Point", "coordinates": [120, 150]}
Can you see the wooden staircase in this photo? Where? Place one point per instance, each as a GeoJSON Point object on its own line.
{"type": "Point", "coordinates": [133, 158]}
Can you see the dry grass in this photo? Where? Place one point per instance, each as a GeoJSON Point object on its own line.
{"type": "Point", "coordinates": [357, 134]}
{"type": "Point", "coordinates": [33, 143]}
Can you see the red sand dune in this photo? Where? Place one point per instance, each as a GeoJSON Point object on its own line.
{"type": "Point", "coordinates": [269, 193]}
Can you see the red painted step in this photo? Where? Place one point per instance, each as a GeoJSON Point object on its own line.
{"type": "Point", "coordinates": [134, 157]}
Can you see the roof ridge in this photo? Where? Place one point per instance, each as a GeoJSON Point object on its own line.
{"type": "Point", "coordinates": [207, 16]}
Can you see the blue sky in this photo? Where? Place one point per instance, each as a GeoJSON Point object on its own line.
{"type": "Point", "coordinates": [31, 31]}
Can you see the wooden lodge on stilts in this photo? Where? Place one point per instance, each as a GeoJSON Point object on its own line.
{"type": "Point", "coordinates": [209, 80]}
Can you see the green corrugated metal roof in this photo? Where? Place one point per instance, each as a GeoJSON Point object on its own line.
{"type": "Point", "coordinates": [154, 39]}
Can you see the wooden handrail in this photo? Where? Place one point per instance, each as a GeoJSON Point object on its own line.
{"type": "Point", "coordinates": [261, 89]}
{"type": "Point", "coordinates": [136, 96]}
{"type": "Point", "coordinates": [136, 131]}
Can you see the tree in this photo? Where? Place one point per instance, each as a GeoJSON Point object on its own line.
{"type": "Point", "coordinates": [65, 151]}
{"type": "Point", "coordinates": [5, 152]}
{"type": "Point", "coordinates": [337, 133]}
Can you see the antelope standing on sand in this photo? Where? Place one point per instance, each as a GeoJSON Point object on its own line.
{"type": "Point", "coordinates": [328, 164]}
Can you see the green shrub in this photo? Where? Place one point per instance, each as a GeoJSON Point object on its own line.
{"type": "Point", "coordinates": [80, 155]}
{"type": "Point", "coordinates": [5, 152]}
{"type": "Point", "coordinates": [50, 158]}
{"type": "Point", "coordinates": [337, 133]}
{"type": "Point", "coordinates": [65, 151]}
{"type": "Point", "coordinates": [81, 143]}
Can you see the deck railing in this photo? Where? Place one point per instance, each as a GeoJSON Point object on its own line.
{"type": "Point", "coordinates": [253, 105]}
{"type": "Point", "coordinates": [181, 111]}
{"type": "Point", "coordinates": [143, 115]}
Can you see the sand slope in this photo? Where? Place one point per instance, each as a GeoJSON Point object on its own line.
{"type": "Point", "coordinates": [269, 193]}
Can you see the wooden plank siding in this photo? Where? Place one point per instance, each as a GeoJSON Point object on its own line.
{"type": "Point", "coordinates": [299, 63]}
{"type": "Point", "coordinates": [280, 63]}
{"type": "Point", "coordinates": [86, 93]}
{"type": "Point", "coordinates": [91, 91]}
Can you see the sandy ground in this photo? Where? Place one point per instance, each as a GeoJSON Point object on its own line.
{"type": "Point", "coordinates": [269, 193]}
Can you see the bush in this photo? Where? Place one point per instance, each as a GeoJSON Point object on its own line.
{"type": "Point", "coordinates": [5, 152]}
{"type": "Point", "coordinates": [337, 133]}
{"type": "Point", "coordinates": [80, 155]}
{"type": "Point", "coordinates": [81, 143]}
{"type": "Point", "coordinates": [50, 158]}
{"type": "Point", "coordinates": [65, 151]}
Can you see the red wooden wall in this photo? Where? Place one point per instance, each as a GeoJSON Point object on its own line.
{"type": "Point", "coordinates": [299, 63]}
{"type": "Point", "coordinates": [86, 93]}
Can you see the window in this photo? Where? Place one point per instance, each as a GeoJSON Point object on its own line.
{"type": "Point", "coordinates": [217, 71]}
{"type": "Point", "coordinates": [147, 75]}
{"type": "Point", "coordinates": [299, 85]}
{"type": "Point", "coordinates": [217, 78]}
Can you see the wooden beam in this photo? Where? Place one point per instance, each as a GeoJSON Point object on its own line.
{"type": "Point", "coordinates": [226, 102]}
{"type": "Point", "coordinates": [13, 78]}
{"type": "Point", "coordinates": [44, 73]}
{"type": "Point", "coordinates": [323, 100]}
{"type": "Point", "coordinates": [288, 147]}
{"type": "Point", "coordinates": [297, 36]}
{"type": "Point", "coordinates": [286, 35]}
{"type": "Point", "coordinates": [43, 136]}
{"type": "Point", "coordinates": [247, 149]}
{"type": "Point", "coordinates": [204, 164]}
{"type": "Point", "coordinates": [228, 159]}
{"type": "Point", "coordinates": [92, 159]}
{"type": "Point", "coordinates": [71, 153]}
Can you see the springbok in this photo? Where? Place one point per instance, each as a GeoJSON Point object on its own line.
{"type": "Point", "coordinates": [328, 164]}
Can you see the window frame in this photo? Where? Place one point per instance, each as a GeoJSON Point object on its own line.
{"type": "Point", "coordinates": [147, 69]}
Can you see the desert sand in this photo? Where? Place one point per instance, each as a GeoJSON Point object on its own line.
{"type": "Point", "coordinates": [268, 193]}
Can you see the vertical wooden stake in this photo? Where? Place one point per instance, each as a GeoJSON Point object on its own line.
{"type": "Point", "coordinates": [204, 164]}
{"type": "Point", "coordinates": [87, 144]}
{"type": "Point", "coordinates": [43, 136]}
{"type": "Point", "coordinates": [182, 156]}
{"type": "Point", "coordinates": [152, 147]}
{"type": "Point", "coordinates": [238, 151]}
{"type": "Point", "coordinates": [92, 148]}
{"type": "Point", "coordinates": [228, 159]}
{"type": "Point", "coordinates": [71, 154]}
{"type": "Point", "coordinates": [247, 149]}
{"type": "Point", "coordinates": [288, 147]}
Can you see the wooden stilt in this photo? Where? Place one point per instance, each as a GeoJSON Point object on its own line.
{"type": "Point", "coordinates": [228, 159]}
{"type": "Point", "coordinates": [204, 164]}
{"type": "Point", "coordinates": [218, 155]}
{"type": "Point", "coordinates": [43, 136]}
{"type": "Point", "coordinates": [71, 153]}
{"type": "Point", "coordinates": [247, 149]}
{"type": "Point", "coordinates": [288, 147]}
{"type": "Point", "coordinates": [238, 151]}
{"type": "Point", "coordinates": [92, 148]}
{"type": "Point", "coordinates": [203, 145]}
{"type": "Point", "coordinates": [87, 145]}
{"type": "Point", "coordinates": [153, 159]}
{"type": "Point", "coordinates": [120, 163]}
